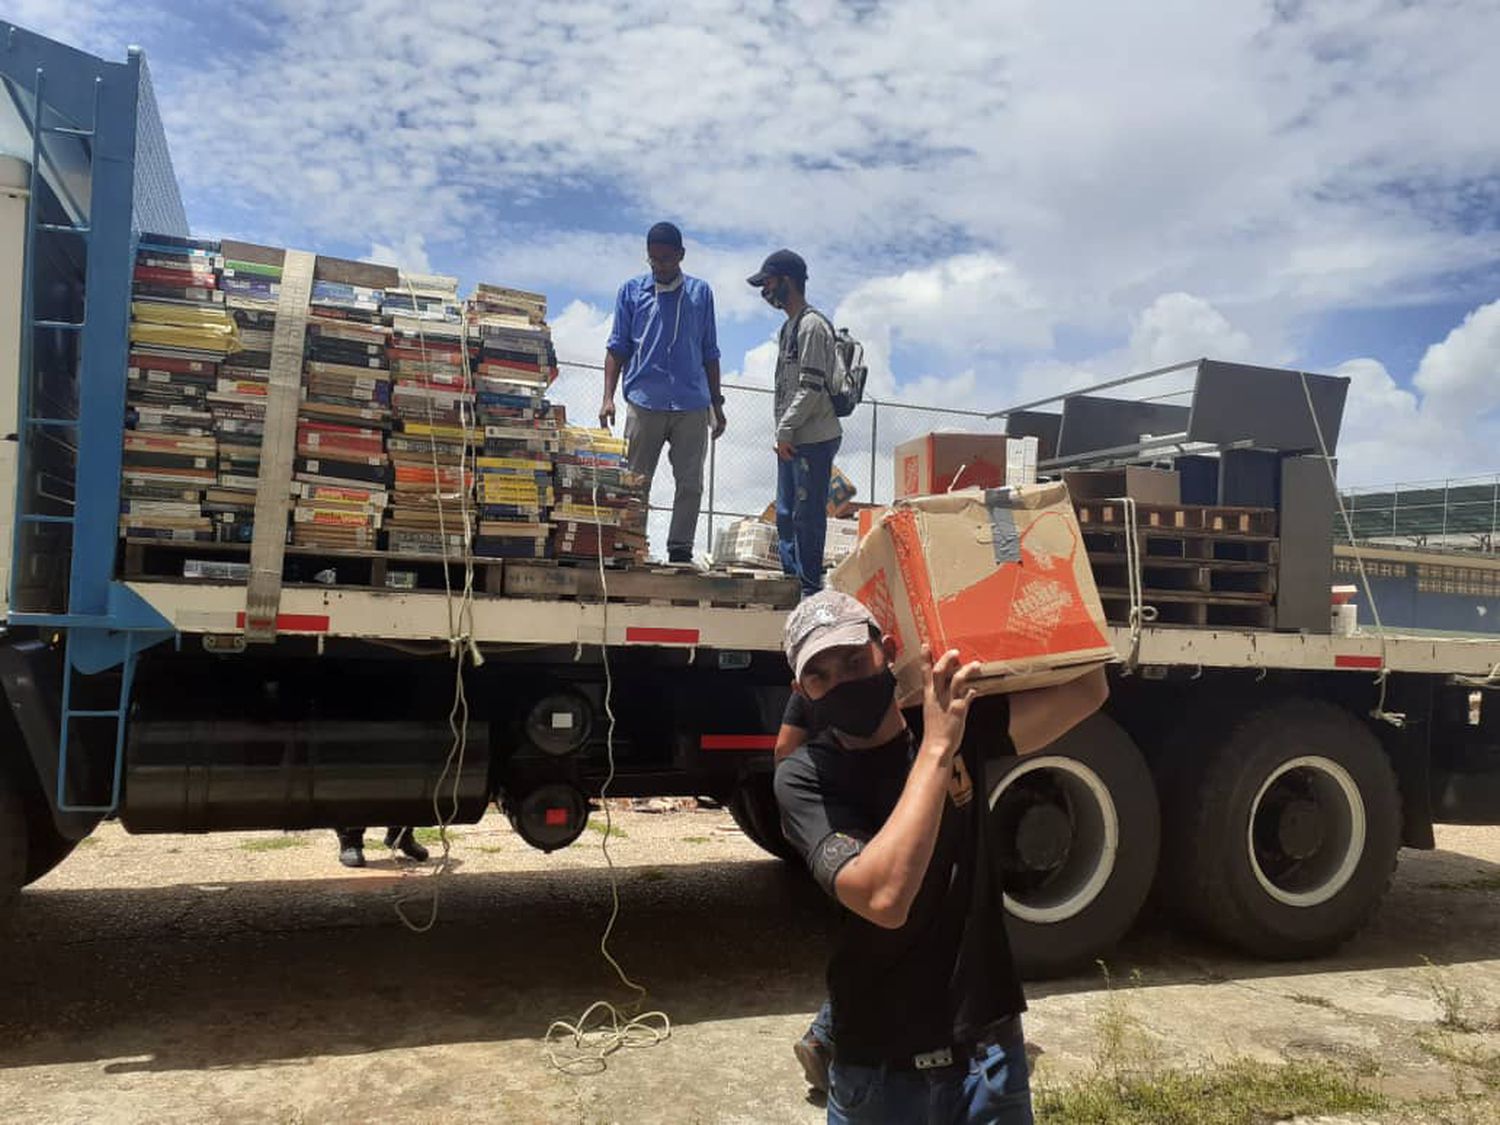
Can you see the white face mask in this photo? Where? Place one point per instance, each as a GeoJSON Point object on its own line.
{"type": "Point", "coordinates": [670, 286]}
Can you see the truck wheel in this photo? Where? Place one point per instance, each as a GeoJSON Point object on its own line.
{"type": "Point", "coordinates": [1283, 837]}
{"type": "Point", "coordinates": [1076, 832]}
{"type": "Point", "coordinates": [12, 843]}
{"type": "Point", "coordinates": [754, 810]}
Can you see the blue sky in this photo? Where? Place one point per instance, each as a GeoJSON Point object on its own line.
{"type": "Point", "coordinates": [1005, 200]}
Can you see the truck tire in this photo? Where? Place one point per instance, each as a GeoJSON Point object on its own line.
{"type": "Point", "coordinates": [1282, 837]}
{"type": "Point", "coordinates": [754, 810]}
{"type": "Point", "coordinates": [12, 843]}
{"type": "Point", "coordinates": [1076, 834]}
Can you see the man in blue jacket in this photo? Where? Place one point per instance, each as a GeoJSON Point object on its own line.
{"type": "Point", "coordinates": [666, 344]}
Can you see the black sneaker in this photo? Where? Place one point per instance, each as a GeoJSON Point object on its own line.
{"type": "Point", "coordinates": [679, 556]}
{"type": "Point", "coordinates": [405, 840]}
{"type": "Point", "coordinates": [813, 1056]}
{"type": "Point", "coordinates": [352, 857]}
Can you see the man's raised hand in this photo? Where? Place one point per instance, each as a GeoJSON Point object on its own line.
{"type": "Point", "coordinates": [947, 691]}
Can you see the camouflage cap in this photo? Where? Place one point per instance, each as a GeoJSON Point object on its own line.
{"type": "Point", "coordinates": [829, 619]}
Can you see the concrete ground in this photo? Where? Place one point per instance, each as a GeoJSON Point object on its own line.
{"type": "Point", "coordinates": [248, 977]}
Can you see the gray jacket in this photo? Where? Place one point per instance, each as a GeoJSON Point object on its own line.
{"type": "Point", "coordinates": [805, 359]}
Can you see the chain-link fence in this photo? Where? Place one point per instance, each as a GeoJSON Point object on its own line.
{"type": "Point", "coordinates": [1456, 514]}
{"type": "Point", "coordinates": [741, 472]}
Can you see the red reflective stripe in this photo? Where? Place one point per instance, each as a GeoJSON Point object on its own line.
{"type": "Point", "coordinates": [292, 622]}
{"type": "Point", "coordinates": [1353, 661]}
{"type": "Point", "coordinates": [737, 742]}
{"type": "Point", "coordinates": [642, 635]}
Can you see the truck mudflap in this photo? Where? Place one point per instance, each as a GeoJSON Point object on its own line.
{"type": "Point", "coordinates": [31, 675]}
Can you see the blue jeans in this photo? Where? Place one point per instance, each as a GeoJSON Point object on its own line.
{"type": "Point", "coordinates": [822, 1025]}
{"type": "Point", "coordinates": [993, 1087]}
{"type": "Point", "coordinates": [802, 511]}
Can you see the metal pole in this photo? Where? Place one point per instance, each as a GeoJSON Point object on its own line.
{"type": "Point", "coordinates": [874, 441]}
{"type": "Point", "coordinates": [1494, 513]}
{"type": "Point", "coordinates": [1446, 485]}
{"type": "Point", "coordinates": [1099, 387]}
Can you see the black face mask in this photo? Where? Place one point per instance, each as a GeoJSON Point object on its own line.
{"type": "Point", "coordinates": [779, 294]}
{"type": "Point", "coordinates": [857, 707]}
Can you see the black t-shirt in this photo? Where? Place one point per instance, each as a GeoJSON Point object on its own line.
{"type": "Point", "coordinates": [798, 712]}
{"type": "Point", "coordinates": [947, 974]}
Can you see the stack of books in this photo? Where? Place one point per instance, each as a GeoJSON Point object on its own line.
{"type": "Point", "coordinates": [497, 300]}
{"type": "Point", "coordinates": [432, 406]}
{"type": "Point", "coordinates": [600, 504]}
{"type": "Point", "coordinates": [250, 279]}
{"type": "Point", "coordinates": [179, 335]}
{"type": "Point", "coordinates": [513, 366]}
{"type": "Point", "coordinates": [341, 472]}
{"type": "Point", "coordinates": [424, 296]}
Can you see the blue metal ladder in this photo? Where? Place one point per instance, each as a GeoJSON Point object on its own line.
{"type": "Point", "coordinates": [105, 625]}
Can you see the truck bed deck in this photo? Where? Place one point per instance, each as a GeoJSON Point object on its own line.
{"type": "Point", "coordinates": [542, 603]}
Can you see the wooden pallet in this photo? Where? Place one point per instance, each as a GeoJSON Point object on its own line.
{"type": "Point", "coordinates": [1179, 518]}
{"type": "Point", "coordinates": [1195, 546]}
{"type": "Point", "coordinates": [650, 585]}
{"type": "Point", "coordinates": [1202, 576]}
{"type": "Point", "coordinates": [1196, 610]}
{"type": "Point", "coordinates": [162, 561]}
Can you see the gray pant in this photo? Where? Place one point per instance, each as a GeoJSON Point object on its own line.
{"type": "Point", "coordinates": [685, 433]}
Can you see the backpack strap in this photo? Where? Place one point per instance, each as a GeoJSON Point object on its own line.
{"type": "Point", "coordinates": [797, 327]}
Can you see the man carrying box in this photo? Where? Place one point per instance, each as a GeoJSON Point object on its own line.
{"type": "Point", "coordinates": [925, 997]}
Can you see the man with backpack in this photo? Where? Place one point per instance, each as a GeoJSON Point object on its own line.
{"type": "Point", "coordinates": [809, 373]}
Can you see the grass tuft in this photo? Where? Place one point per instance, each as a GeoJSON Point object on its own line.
{"type": "Point", "coordinates": [1244, 1092]}
{"type": "Point", "coordinates": [273, 844]}
{"type": "Point", "coordinates": [1131, 1086]}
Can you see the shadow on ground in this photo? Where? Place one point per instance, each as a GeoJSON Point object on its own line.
{"type": "Point", "coordinates": [192, 977]}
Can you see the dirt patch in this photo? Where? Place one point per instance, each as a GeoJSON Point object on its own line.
{"type": "Point", "coordinates": [219, 978]}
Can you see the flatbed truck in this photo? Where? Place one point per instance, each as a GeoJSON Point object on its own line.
{"type": "Point", "coordinates": [1262, 781]}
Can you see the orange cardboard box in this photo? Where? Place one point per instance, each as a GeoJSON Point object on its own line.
{"type": "Point", "coordinates": [1000, 575]}
{"type": "Point", "coordinates": [947, 462]}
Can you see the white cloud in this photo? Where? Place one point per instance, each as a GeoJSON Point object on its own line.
{"type": "Point", "coordinates": [1178, 327]}
{"type": "Point", "coordinates": [1385, 436]}
{"type": "Point", "coordinates": [579, 333]}
{"type": "Point", "coordinates": [410, 255]}
{"type": "Point", "coordinates": [1287, 157]}
{"type": "Point", "coordinates": [961, 305]}
{"type": "Point", "coordinates": [1460, 377]}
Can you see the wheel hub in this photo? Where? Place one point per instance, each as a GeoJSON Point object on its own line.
{"type": "Point", "coordinates": [1300, 828]}
{"type": "Point", "coordinates": [1059, 832]}
{"type": "Point", "coordinates": [1043, 837]}
{"type": "Point", "coordinates": [1307, 831]}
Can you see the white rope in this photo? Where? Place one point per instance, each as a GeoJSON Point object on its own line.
{"type": "Point", "coordinates": [1395, 718]}
{"type": "Point", "coordinates": [1141, 614]}
{"type": "Point", "coordinates": [591, 1044]}
{"type": "Point", "coordinates": [460, 621]}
